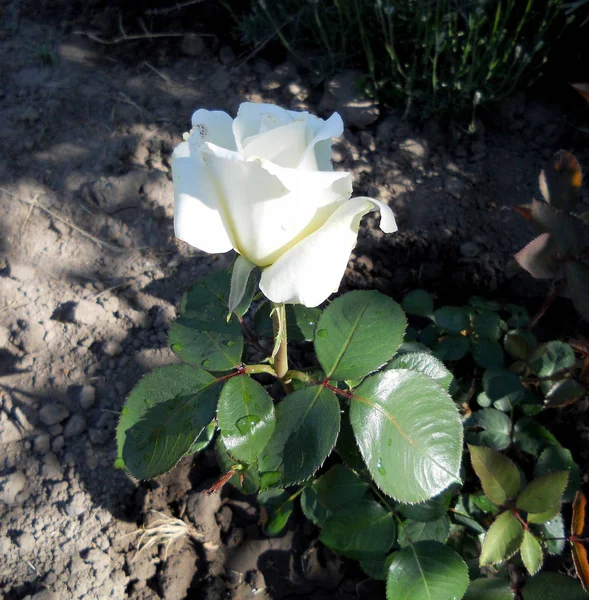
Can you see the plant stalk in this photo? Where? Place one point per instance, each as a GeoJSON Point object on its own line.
{"type": "Point", "coordinates": [280, 356]}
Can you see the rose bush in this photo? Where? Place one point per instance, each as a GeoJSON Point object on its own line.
{"type": "Point", "coordinates": [263, 184]}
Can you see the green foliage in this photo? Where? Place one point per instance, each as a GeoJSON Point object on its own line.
{"type": "Point", "coordinates": [396, 414]}
{"type": "Point", "coordinates": [426, 570]}
{"type": "Point", "coordinates": [443, 57]}
{"type": "Point", "coordinates": [409, 434]}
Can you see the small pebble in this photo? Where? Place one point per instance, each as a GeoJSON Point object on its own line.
{"type": "Point", "coordinates": [53, 413]}
{"type": "Point", "coordinates": [75, 426]}
{"type": "Point", "coordinates": [87, 397]}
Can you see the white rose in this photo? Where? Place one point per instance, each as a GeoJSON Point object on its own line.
{"type": "Point", "coordinates": [263, 185]}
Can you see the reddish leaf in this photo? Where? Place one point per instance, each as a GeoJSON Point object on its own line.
{"type": "Point", "coordinates": [578, 519]}
{"type": "Point", "coordinates": [525, 211]}
{"type": "Point", "coordinates": [580, 345]}
{"type": "Point", "coordinates": [560, 181]}
{"type": "Point", "coordinates": [581, 564]}
{"type": "Point", "coordinates": [568, 230]}
{"type": "Point", "coordinates": [583, 89]}
{"type": "Point", "coordinates": [537, 258]}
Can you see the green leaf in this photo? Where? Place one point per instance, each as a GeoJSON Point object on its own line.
{"type": "Point", "coordinates": [245, 415]}
{"type": "Point", "coordinates": [203, 439]}
{"type": "Point", "coordinates": [552, 586]}
{"type": "Point", "coordinates": [553, 534]}
{"type": "Point", "coordinates": [409, 433]}
{"type": "Point", "coordinates": [519, 316]}
{"type": "Point", "coordinates": [503, 539]}
{"type": "Point", "coordinates": [377, 567]}
{"type": "Point", "coordinates": [162, 417]}
{"type": "Point", "coordinates": [499, 476]}
{"type": "Point", "coordinates": [338, 488]}
{"type": "Point", "coordinates": [542, 497]}
{"type": "Point", "coordinates": [211, 290]}
{"type": "Point", "coordinates": [419, 303]}
{"type": "Point", "coordinates": [241, 290]}
{"type": "Point", "coordinates": [488, 427]}
{"type": "Point", "coordinates": [531, 552]}
{"type": "Point", "coordinates": [364, 530]}
{"type": "Point", "coordinates": [251, 479]}
{"type": "Point", "coordinates": [427, 570]}
{"type": "Point", "coordinates": [550, 358]}
{"type": "Point", "coordinates": [577, 277]}
{"type": "Point", "coordinates": [487, 353]}
{"type": "Point", "coordinates": [419, 531]}
{"type": "Point", "coordinates": [563, 393]}
{"type": "Point", "coordinates": [494, 588]}
{"type": "Point", "coordinates": [466, 513]}
{"type": "Point", "coordinates": [429, 510]}
{"type": "Point", "coordinates": [486, 325]}
{"type": "Point", "coordinates": [503, 388]}
{"type": "Point", "coordinates": [346, 445]}
{"type": "Point", "coordinates": [452, 319]}
{"type": "Point", "coordinates": [452, 347]}
{"type": "Point", "coordinates": [357, 333]}
{"type": "Point", "coordinates": [202, 336]}
{"type": "Point", "coordinates": [425, 363]}
{"type": "Point", "coordinates": [307, 425]}
{"type": "Point", "coordinates": [302, 320]}
{"type": "Point", "coordinates": [519, 344]}
{"type": "Point", "coordinates": [429, 335]}
{"type": "Point", "coordinates": [531, 437]}
{"type": "Point", "coordinates": [482, 304]}
{"type": "Point", "coordinates": [556, 458]}
{"type": "Point", "coordinates": [279, 507]}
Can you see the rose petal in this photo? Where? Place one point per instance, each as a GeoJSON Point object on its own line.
{"type": "Point", "coordinates": [213, 126]}
{"type": "Point", "coordinates": [313, 269]}
{"type": "Point", "coordinates": [283, 145]}
{"type": "Point", "coordinates": [254, 118]}
{"type": "Point", "coordinates": [317, 155]}
{"type": "Point", "coordinates": [197, 218]}
{"type": "Point", "coordinates": [265, 219]}
{"type": "Point", "coordinates": [387, 217]}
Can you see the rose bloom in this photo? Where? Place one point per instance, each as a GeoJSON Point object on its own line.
{"type": "Point", "coordinates": [263, 185]}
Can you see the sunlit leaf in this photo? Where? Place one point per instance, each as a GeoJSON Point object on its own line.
{"type": "Point", "coordinates": [357, 333]}
{"type": "Point", "coordinates": [541, 498]}
{"type": "Point", "coordinates": [488, 427]}
{"type": "Point", "coordinates": [245, 415]}
{"type": "Point", "coordinates": [423, 362]}
{"type": "Point", "coordinates": [499, 476]}
{"type": "Point", "coordinates": [409, 433]}
{"type": "Point", "coordinates": [556, 458]}
{"type": "Point", "coordinates": [531, 552]}
{"type": "Point", "coordinates": [503, 539]}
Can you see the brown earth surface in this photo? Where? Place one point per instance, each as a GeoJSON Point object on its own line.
{"type": "Point", "coordinates": [91, 277]}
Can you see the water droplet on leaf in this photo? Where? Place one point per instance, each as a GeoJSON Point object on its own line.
{"type": "Point", "coordinates": [176, 347]}
{"type": "Point", "coordinates": [323, 333]}
{"type": "Point", "coordinates": [246, 424]}
{"type": "Point", "coordinates": [205, 363]}
{"type": "Point", "coordinates": [380, 468]}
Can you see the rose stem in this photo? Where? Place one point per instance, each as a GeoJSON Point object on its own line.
{"type": "Point", "coordinates": [281, 356]}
